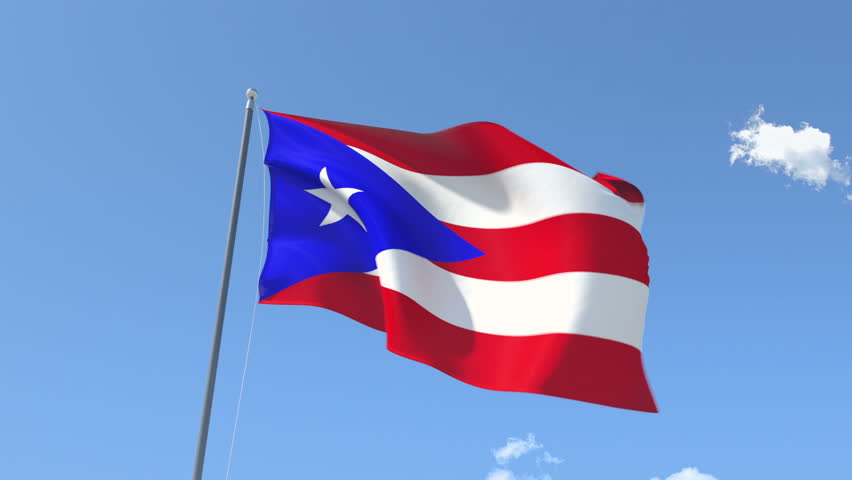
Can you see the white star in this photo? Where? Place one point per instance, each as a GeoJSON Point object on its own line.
{"type": "Point", "coordinates": [338, 199]}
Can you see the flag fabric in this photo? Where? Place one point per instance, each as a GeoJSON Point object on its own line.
{"type": "Point", "coordinates": [475, 251]}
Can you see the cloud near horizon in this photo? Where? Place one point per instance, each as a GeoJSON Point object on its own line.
{"type": "Point", "coordinates": [803, 154]}
{"type": "Point", "coordinates": [689, 473]}
{"type": "Point", "coordinates": [501, 474]}
{"type": "Point", "coordinates": [514, 449]}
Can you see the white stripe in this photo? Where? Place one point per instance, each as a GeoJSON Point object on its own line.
{"type": "Point", "coordinates": [585, 303]}
{"type": "Point", "coordinates": [516, 196]}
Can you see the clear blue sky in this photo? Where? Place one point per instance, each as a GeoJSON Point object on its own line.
{"type": "Point", "coordinates": [120, 127]}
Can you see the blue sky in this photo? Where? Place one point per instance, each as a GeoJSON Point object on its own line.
{"type": "Point", "coordinates": [120, 127]}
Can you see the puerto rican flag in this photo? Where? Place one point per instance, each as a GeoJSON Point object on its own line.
{"type": "Point", "coordinates": [475, 251]}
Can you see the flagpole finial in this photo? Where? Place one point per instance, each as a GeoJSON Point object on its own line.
{"type": "Point", "coordinates": [251, 94]}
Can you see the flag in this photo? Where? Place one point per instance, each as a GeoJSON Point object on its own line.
{"type": "Point", "coordinates": [475, 251]}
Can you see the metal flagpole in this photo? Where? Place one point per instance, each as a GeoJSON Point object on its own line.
{"type": "Point", "coordinates": [223, 292]}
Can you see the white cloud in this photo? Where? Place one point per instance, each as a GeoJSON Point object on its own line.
{"type": "Point", "coordinates": [688, 474]}
{"type": "Point", "coordinates": [548, 458]}
{"type": "Point", "coordinates": [500, 474]}
{"type": "Point", "coordinates": [503, 474]}
{"type": "Point", "coordinates": [803, 154]}
{"type": "Point", "coordinates": [514, 448]}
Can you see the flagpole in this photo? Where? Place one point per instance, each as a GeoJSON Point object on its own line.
{"type": "Point", "coordinates": [201, 448]}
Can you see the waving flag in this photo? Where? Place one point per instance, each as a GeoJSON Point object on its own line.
{"type": "Point", "coordinates": [477, 253]}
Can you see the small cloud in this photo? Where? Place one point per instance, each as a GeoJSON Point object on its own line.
{"type": "Point", "coordinates": [803, 154]}
{"type": "Point", "coordinates": [500, 474]}
{"type": "Point", "coordinates": [690, 473]}
{"type": "Point", "coordinates": [514, 448]}
{"type": "Point", "coordinates": [548, 458]}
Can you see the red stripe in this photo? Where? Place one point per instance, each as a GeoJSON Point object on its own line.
{"type": "Point", "coordinates": [471, 149]}
{"type": "Point", "coordinates": [476, 148]}
{"type": "Point", "coordinates": [578, 367]}
{"type": "Point", "coordinates": [569, 243]}
{"type": "Point", "coordinates": [622, 188]}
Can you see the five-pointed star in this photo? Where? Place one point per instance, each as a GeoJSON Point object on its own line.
{"type": "Point", "coordinates": [338, 199]}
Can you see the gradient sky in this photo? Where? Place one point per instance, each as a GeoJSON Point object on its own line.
{"type": "Point", "coordinates": [120, 128]}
